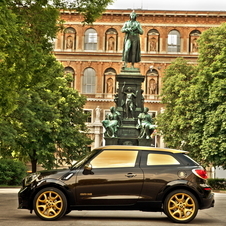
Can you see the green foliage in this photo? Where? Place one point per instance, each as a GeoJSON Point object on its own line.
{"type": "Point", "coordinates": [89, 9]}
{"type": "Point", "coordinates": [196, 101]}
{"type": "Point", "coordinates": [40, 116]}
{"type": "Point", "coordinates": [11, 172]}
{"type": "Point", "coordinates": [49, 117]}
{"type": "Point", "coordinates": [173, 123]}
{"type": "Point", "coordinates": [217, 184]}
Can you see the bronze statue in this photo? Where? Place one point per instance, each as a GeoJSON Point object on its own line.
{"type": "Point", "coordinates": [145, 124]}
{"type": "Point", "coordinates": [129, 102]}
{"type": "Point", "coordinates": [112, 122]}
{"type": "Point", "coordinates": [131, 50]}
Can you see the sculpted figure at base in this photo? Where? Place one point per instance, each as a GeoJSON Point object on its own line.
{"type": "Point", "coordinates": [145, 124]}
{"type": "Point", "coordinates": [131, 50]}
{"type": "Point", "coordinates": [111, 123]}
{"type": "Point", "coordinates": [129, 103]}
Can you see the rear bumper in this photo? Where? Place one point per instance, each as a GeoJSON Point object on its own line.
{"type": "Point", "coordinates": [208, 202]}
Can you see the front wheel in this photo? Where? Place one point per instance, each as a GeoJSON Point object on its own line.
{"type": "Point", "coordinates": [181, 206]}
{"type": "Point", "coordinates": [50, 204]}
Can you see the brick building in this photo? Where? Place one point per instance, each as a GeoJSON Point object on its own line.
{"type": "Point", "coordinates": [93, 55]}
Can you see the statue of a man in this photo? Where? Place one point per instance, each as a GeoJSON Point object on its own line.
{"type": "Point", "coordinates": [145, 124]}
{"type": "Point", "coordinates": [131, 50]}
{"type": "Point", "coordinates": [112, 122]}
{"type": "Point", "coordinates": [129, 102]}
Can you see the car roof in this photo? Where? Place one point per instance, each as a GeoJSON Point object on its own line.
{"type": "Point", "coordinates": [144, 148]}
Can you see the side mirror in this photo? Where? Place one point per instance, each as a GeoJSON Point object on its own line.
{"type": "Point", "coordinates": [88, 167]}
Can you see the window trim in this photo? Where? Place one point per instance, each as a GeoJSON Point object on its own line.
{"type": "Point", "coordinates": [117, 167]}
{"type": "Point", "coordinates": [145, 158]}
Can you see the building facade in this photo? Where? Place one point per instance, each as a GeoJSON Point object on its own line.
{"type": "Point", "coordinates": [93, 55]}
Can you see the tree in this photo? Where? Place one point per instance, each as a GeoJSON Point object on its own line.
{"type": "Point", "coordinates": [50, 119]}
{"type": "Point", "coordinates": [210, 87]}
{"type": "Point", "coordinates": [43, 117]}
{"type": "Point", "coordinates": [174, 122]}
{"type": "Point", "coordinates": [195, 99]}
{"type": "Point", "coordinates": [26, 27]}
{"type": "Point", "coordinates": [11, 40]}
{"type": "Point", "coordinates": [89, 9]}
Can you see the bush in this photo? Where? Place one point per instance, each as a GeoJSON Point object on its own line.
{"type": "Point", "coordinates": [11, 172]}
{"type": "Point", "coordinates": [217, 184]}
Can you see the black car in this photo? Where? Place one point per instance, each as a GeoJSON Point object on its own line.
{"type": "Point", "coordinates": [121, 178]}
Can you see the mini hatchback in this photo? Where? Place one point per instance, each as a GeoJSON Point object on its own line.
{"type": "Point", "coordinates": [121, 178]}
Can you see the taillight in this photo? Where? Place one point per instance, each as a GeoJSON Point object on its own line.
{"type": "Point", "coordinates": [200, 173]}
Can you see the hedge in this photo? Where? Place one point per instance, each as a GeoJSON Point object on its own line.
{"type": "Point", "coordinates": [11, 172]}
{"type": "Point", "coordinates": [217, 184]}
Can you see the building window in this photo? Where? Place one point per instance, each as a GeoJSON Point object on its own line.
{"type": "Point", "coordinates": [69, 38]}
{"type": "Point", "coordinates": [70, 70]}
{"type": "Point", "coordinates": [111, 40]}
{"type": "Point", "coordinates": [153, 41]}
{"type": "Point", "coordinates": [152, 82]}
{"type": "Point", "coordinates": [90, 39]}
{"type": "Point", "coordinates": [89, 81]}
{"type": "Point", "coordinates": [109, 78]}
{"type": "Point", "coordinates": [88, 113]}
{"type": "Point", "coordinates": [193, 37]}
{"type": "Point", "coordinates": [174, 41]}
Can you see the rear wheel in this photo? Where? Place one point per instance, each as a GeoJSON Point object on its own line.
{"type": "Point", "coordinates": [50, 204]}
{"type": "Point", "coordinates": [181, 206]}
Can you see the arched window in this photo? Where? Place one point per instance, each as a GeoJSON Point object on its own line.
{"type": "Point", "coordinates": [152, 82]}
{"type": "Point", "coordinates": [111, 40]}
{"type": "Point", "coordinates": [89, 81]}
{"type": "Point", "coordinates": [109, 78]}
{"type": "Point", "coordinates": [193, 37]}
{"type": "Point", "coordinates": [90, 39]}
{"type": "Point", "coordinates": [153, 41]}
{"type": "Point", "coordinates": [174, 41]}
{"type": "Point", "coordinates": [70, 70]}
{"type": "Point", "coordinates": [69, 38]}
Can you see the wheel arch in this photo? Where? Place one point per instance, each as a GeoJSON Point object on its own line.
{"type": "Point", "coordinates": [56, 184]}
{"type": "Point", "coordinates": [169, 188]}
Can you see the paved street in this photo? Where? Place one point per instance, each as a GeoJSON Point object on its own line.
{"type": "Point", "coordinates": [10, 215]}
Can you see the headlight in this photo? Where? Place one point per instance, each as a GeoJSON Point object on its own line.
{"type": "Point", "coordinates": [29, 179]}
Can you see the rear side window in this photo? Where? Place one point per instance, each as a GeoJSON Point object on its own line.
{"type": "Point", "coordinates": [113, 159]}
{"type": "Point", "coordinates": [161, 159]}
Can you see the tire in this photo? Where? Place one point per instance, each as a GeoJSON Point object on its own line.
{"type": "Point", "coordinates": [181, 206]}
{"type": "Point", "coordinates": [50, 204]}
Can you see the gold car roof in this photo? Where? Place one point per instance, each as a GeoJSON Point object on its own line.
{"type": "Point", "coordinates": [144, 148]}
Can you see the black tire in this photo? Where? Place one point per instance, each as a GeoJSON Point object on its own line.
{"type": "Point", "coordinates": [50, 204]}
{"type": "Point", "coordinates": [181, 206]}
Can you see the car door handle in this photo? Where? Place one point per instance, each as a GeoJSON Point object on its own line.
{"type": "Point", "coordinates": [129, 175]}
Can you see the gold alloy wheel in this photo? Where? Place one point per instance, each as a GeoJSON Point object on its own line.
{"type": "Point", "coordinates": [49, 204]}
{"type": "Point", "coordinates": [182, 206]}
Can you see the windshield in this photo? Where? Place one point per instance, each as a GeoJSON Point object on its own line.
{"type": "Point", "coordinates": [84, 160]}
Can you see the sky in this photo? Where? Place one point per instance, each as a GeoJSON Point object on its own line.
{"type": "Point", "coordinates": [200, 5]}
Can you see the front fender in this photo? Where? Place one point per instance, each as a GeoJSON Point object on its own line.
{"type": "Point", "coordinates": [51, 182]}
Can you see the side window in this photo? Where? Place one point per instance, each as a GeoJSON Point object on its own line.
{"type": "Point", "coordinates": [161, 159]}
{"type": "Point", "coordinates": [114, 159]}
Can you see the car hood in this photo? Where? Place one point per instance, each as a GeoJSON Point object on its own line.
{"type": "Point", "coordinates": [56, 174]}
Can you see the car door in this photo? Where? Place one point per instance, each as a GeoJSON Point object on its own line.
{"type": "Point", "coordinates": [115, 179]}
{"type": "Point", "coordinates": [159, 169]}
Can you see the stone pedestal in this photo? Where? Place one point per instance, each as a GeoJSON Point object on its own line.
{"type": "Point", "coordinates": [129, 88]}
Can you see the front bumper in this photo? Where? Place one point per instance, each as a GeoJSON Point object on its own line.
{"type": "Point", "coordinates": [24, 198]}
